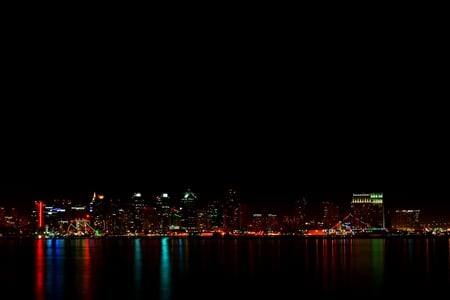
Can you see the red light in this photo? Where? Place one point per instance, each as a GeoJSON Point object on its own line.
{"type": "Point", "coordinates": [40, 206]}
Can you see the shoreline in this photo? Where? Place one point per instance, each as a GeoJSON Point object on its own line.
{"type": "Point", "coordinates": [230, 237]}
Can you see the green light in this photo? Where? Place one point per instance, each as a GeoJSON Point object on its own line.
{"type": "Point", "coordinates": [376, 195]}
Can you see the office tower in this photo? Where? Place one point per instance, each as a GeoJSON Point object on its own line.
{"type": "Point", "coordinates": [97, 211]}
{"type": "Point", "coordinates": [189, 212]}
{"type": "Point", "coordinates": [407, 220]}
{"type": "Point", "coordinates": [368, 210]}
{"type": "Point", "coordinates": [330, 214]}
{"type": "Point", "coordinates": [299, 218]}
{"type": "Point", "coordinates": [215, 215]}
{"type": "Point", "coordinates": [2, 216]}
{"type": "Point", "coordinates": [116, 219]}
{"type": "Point", "coordinates": [231, 215]}
{"type": "Point", "coordinates": [137, 207]}
{"type": "Point", "coordinates": [163, 212]}
{"type": "Point", "coordinates": [272, 223]}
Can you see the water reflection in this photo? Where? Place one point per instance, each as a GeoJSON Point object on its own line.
{"type": "Point", "coordinates": [54, 266]}
{"type": "Point", "coordinates": [87, 269]}
{"type": "Point", "coordinates": [170, 268]}
{"type": "Point", "coordinates": [377, 262]}
{"type": "Point", "coordinates": [368, 264]}
{"type": "Point", "coordinates": [165, 270]}
{"type": "Point", "coordinates": [137, 265]}
{"type": "Point", "coordinates": [49, 269]}
{"type": "Point", "coordinates": [181, 255]}
{"type": "Point", "coordinates": [39, 288]}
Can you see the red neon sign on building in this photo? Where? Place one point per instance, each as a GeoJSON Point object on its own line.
{"type": "Point", "coordinates": [40, 213]}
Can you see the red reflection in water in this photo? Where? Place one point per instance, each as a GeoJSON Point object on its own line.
{"type": "Point", "coordinates": [87, 269]}
{"type": "Point", "coordinates": [39, 289]}
{"type": "Point", "coordinates": [251, 257]}
{"type": "Point", "coordinates": [325, 263]}
{"type": "Point", "coordinates": [317, 258]}
{"type": "Point", "coordinates": [427, 261]}
{"type": "Point", "coordinates": [333, 261]}
{"type": "Point", "coordinates": [235, 259]}
{"type": "Point", "coordinates": [348, 251]}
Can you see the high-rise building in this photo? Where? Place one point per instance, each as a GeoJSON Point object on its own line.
{"type": "Point", "coordinates": [55, 217]}
{"type": "Point", "coordinates": [272, 223]}
{"type": "Point", "coordinates": [257, 224]}
{"type": "Point", "coordinates": [406, 220]}
{"type": "Point", "coordinates": [97, 211]}
{"type": "Point", "coordinates": [215, 215]}
{"type": "Point", "coordinates": [368, 209]}
{"type": "Point", "coordinates": [244, 216]}
{"type": "Point", "coordinates": [137, 207]}
{"type": "Point", "coordinates": [163, 212]}
{"type": "Point", "coordinates": [231, 215]}
{"type": "Point", "coordinates": [2, 216]}
{"type": "Point", "coordinates": [116, 219]}
{"type": "Point", "coordinates": [330, 214]}
{"type": "Point", "coordinates": [189, 212]}
{"type": "Point", "coordinates": [299, 218]}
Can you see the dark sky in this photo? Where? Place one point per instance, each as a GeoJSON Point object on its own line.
{"type": "Point", "coordinates": [271, 151]}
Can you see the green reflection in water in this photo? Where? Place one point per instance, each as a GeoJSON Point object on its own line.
{"type": "Point", "coordinates": [378, 262]}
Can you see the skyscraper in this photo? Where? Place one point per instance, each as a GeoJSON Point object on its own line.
{"type": "Point", "coordinates": [138, 205]}
{"type": "Point", "coordinates": [231, 215]}
{"type": "Point", "coordinates": [330, 214]}
{"type": "Point", "coordinates": [368, 208]}
{"type": "Point", "coordinates": [299, 217]}
{"type": "Point", "coordinates": [189, 212]}
{"type": "Point", "coordinates": [163, 211]}
{"type": "Point", "coordinates": [97, 211]}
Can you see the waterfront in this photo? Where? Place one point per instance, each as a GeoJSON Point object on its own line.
{"type": "Point", "coordinates": [212, 268]}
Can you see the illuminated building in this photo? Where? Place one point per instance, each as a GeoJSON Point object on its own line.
{"type": "Point", "coordinates": [215, 215]}
{"type": "Point", "coordinates": [231, 215]}
{"type": "Point", "coordinates": [189, 212]}
{"type": "Point", "coordinates": [55, 218]}
{"type": "Point", "coordinates": [138, 205]}
{"type": "Point", "coordinates": [97, 211]}
{"type": "Point", "coordinates": [257, 223]}
{"type": "Point", "coordinates": [300, 214]}
{"type": "Point", "coordinates": [163, 212]}
{"type": "Point", "coordinates": [77, 212]}
{"type": "Point", "coordinates": [368, 209]}
{"type": "Point", "coordinates": [330, 214]}
{"type": "Point", "coordinates": [272, 223]}
{"type": "Point", "coordinates": [406, 220]}
{"type": "Point", "coordinates": [2, 216]}
{"type": "Point", "coordinates": [244, 216]}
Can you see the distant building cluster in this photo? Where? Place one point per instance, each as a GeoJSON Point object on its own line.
{"type": "Point", "coordinates": [165, 215]}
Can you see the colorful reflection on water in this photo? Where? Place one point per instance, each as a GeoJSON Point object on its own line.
{"type": "Point", "coordinates": [176, 268]}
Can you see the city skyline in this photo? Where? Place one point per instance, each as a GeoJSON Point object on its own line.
{"type": "Point", "coordinates": [264, 199]}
